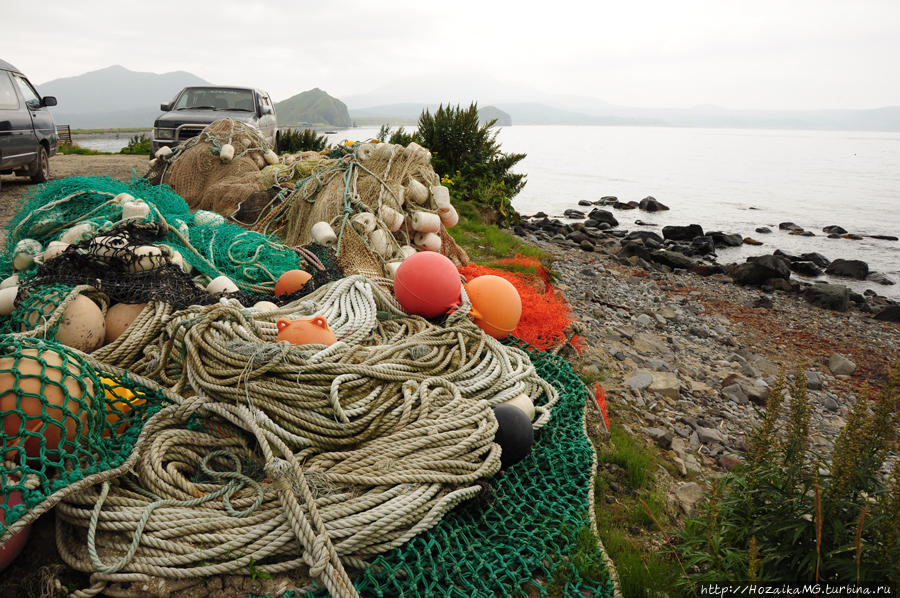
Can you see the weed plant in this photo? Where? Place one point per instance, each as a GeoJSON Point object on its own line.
{"type": "Point", "coordinates": [787, 515]}
{"type": "Point", "coordinates": [137, 144]}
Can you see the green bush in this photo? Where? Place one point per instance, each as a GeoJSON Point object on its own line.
{"type": "Point", "coordinates": [466, 154]}
{"type": "Point", "coordinates": [138, 144]}
{"type": "Point", "coordinates": [788, 515]}
{"type": "Point", "coordinates": [73, 148]}
{"type": "Point", "coordinates": [303, 140]}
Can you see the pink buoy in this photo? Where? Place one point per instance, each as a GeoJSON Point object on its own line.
{"type": "Point", "coordinates": [427, 284]}
{"type": "Point", "coordinates": [11, 549]}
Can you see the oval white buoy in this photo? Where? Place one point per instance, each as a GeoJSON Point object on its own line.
{"type": "Point", "coordinates": [416, 191]}
{"type": "Point", "coordinates": [426, 222]}
{"type": "Point", "coordinates": [323, 234]}
{"type": "Point", "coordinates": [428, 241]}
{"type": "Point", "coordinates": [441, 196]}
{"type": "Point", "coordinates": [10, 281]}
{"type": "Point", "coordinates": [163, 152]}
{"type": "Point", "coordinates": [523, 402]}
{"type": "Point", "coordinates": [391, 218]}
{"type": "Point", "coordinates": [390, 268]}
{"type": "Point", "coordinates": [135, 210]}
{"type": "Point", "coordinates": [54, 249]}
{"type": "Point", "coordinates": [226, 153]}
{"type": "Point", "coordinates": [264, 306]}
{"type": "Point", "coordinates": [380, 242]}
{"type": "Point", "coordinates": [270, 157]}
{"type": "Point", "coordinates": [207, 217]}
{"type": "Point", "coordinates": [8, 300]}
{"type": "Point", "coordinates": [407, 250]}
{"type": "Point", "coordinates": [79, 232]}
{"type": "Point", "coordinates": [449, 217]}
{"type": "Point", "coordinates": [221, 284]}
{"type": "Point", "coordinates": [363, 222]}
{"type": "Point", "coordinates": [147, 257]}
{"type": "Point", "coordinates": [23, 254]}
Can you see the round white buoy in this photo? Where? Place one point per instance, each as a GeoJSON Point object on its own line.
{"type": "Point", "coordinates": [416, 191]}
{"type": "Point", "coordinates": [523, 402]}
{"type": "Point", "coordinates": [441, 196]}
{"type": "Point", "coordinates": [363, 222]}
{"type": "Point", "coordinates": [449, 217]}
{"type": "Point", "coordinates": [426, 222]}
{"type": "Point", "coordinates": [391, 218]}
{"type": "Point", "coordinates": [407, 250]}
{"type": "Point", "coordinates": [323, 234]}
{"type": "Point", "coordinates": [226, 153]}
{"type": "Point", "coordinates": [428, 241]}
{"type": "Point", "coordinates": [380, 242]}
{"type": "Point", "coordinates": [221, 284]}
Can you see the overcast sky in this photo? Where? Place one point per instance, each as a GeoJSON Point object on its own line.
{"type": "Point", "coordinates": [753, 54]}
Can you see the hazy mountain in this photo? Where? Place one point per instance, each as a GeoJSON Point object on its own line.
{"type": "Point", "coordinates": [114, 96]}
{"type": "Point", "coordinates": [521, 113]}
{"type": "Point", "coordinates": [489, 113]}
{"type": "Point", "coordinates": [313, 106]}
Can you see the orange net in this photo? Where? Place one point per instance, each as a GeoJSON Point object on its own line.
{"type": "Point", "coordinates": [545, 312]}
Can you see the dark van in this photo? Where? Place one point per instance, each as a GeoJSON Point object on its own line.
{"type": "Point", "coordinates": [27, 132]}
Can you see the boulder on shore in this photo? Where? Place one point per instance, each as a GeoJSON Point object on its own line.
{"type": "Point", "coordinates": [828, 296]}
{"type": "Point", "coordinates": [650, 204]}
{"type": "Point", "coordinates": [603, 216]}
{"type": "Point", "coordinates": [857, 269]}
{"type": "Point", "coordinates": [682, 233]}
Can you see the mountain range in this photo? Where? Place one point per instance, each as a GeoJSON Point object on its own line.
{"type": "Point", "coordinates": [118, 97]}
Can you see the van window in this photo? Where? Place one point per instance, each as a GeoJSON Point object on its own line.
{"type": "Point", "coordinates": [30, 95]}
{"type": "Point", "coordinates": [8, 97]}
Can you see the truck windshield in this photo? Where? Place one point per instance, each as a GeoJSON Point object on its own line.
{"type": "Point", "coordinates": [207, 98]}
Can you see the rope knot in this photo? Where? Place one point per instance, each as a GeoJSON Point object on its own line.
{"type": "Point", "coordinates": [320, 553]}
{"type": "Point", "coordinates": [188, 407]}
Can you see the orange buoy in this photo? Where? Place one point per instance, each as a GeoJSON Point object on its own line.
{"type": "Point", "coordinates": [427, 284]}
{"type": "Point", "coordinates": [291, 282]}
{"type": "Point", "coordinates": [306, 331]}
{"type": "Point", "coordinates": [496, 304]}
{"type": "Point", "coordinates": [11, 549]}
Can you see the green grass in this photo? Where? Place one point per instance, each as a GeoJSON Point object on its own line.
{"type": "Point", "coordinates": [94, 131]}
{"type": "Point", "coordinates": [627, 529]}
{"type": "Point", "coordinates": [486, 243]}
{"type": "Point", "coordinates": [73, 148]}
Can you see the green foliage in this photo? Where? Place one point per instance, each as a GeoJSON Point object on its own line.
{"type": "Point", "coordinates": [629, 454]}
{"type": "Point", "coordinates": [257, 573]}
{"type": "Point", "coordinates": [466, 153]}
{"type": "Point", "coordinates": [302, 140]}
{"type": "Point", "coordinates": [73, 148]}
{"type": "Point", "coordinates": [788, 515]}
{"type": "Point", "coordinates": [137, 144]}
{"type": "Point", "coordinates": [486, 243]}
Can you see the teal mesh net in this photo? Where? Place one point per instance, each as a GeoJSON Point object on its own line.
{"type": "Point", "coordinates": [524, 539]}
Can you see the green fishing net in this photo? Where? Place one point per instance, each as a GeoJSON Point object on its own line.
{"type": "Point", "coordinates": [529, 535]}
{"type": "Point", "coordinates": [63, 420]}
{"type": "Point", "coordinates": [210, 245]}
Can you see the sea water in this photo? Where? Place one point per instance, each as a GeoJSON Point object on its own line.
{"type": "Point", "coordinates": [730, 180]}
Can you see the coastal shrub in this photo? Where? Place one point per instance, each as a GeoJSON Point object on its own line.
{"type": "Point", "coordinates": [73, 148]}
{"type": "Point", "coordinates": [138, 144]}
{"type": "Point", "coordinates": [466, 153]}
{"type": "Point", "coordinates": [303, 140]}
{"type": "Point", "coordinates": [788, 515]}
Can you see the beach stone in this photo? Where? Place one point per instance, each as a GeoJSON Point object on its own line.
{"type": "Point", "coordinates": [574, 214]}
{"type": "Point", "coordinates": [805, 268]}
{"type": "Point", "coordinates": [672, 259]}
{"type": "Point", "coordinates": [816, 258]}
{"type": "Point", "coordinates": [586, 245]}
{"type": "Point", "coordinates": [751, 241]}
{"type": "Point", "coordinates": [646, 342]}
{"type": "Point", "coordinates": [682, 233]}
{"type": "Point", "coordinates": [885, 237]}
{"type": "Point", "coordinates": [640, 380]}
{"type": "Point", "coordinates": [790, 226]}
{"type": "Point", "coordinates": [603, 216]}
{"type": "Point", "coordinates": [829, 296]}
{"type": "Point", "coordinates": [857, 269]}
{"type": "Point", "coordinates": [678, 446]}
{"type": "Point", "coordinates": [830, 404]}
{"type": "Point", "coordinates": [679, 463]}
{"type": "Point", "coordinates": [643, 235]}
{"type": "Point", "coordinates": [689, 495]}
{"type": "Point", "coordinates": [692, 464]}
{"type": "Point", "coordinates": [709, 435]}
{"type": "Point", "coordinates": [726, 239]}
{"type": "Point", "coordinates": [735, 393]}
{"type": "Point", "coordinates": [889, 314]}
{"type": "Point", "coordinates": [644, 320]}
{"type": "Point", "coordinates": [840, 365]}
{"type": "Point", "coordinates": [834, 229]}
{"type": "Point", "coordinates": [763, 230]}
{"type": "Point", "coordinates": [650, 204]}
{"type": "Point", "coordinates": [814, 380]}
{"type": "Point", "coordinates": [666, 384]}
{"type": "Point", "coordinates": [584, 202]}
{"type": "Point", "coordinates": [757, 271]}
{"type": "Point", "coordinates": [879, 278]}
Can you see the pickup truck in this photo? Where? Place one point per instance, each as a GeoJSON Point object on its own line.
{"type": "Point", "coordinates": [196, 107]}
{"type": "Point", "coordinates": [27, 133]}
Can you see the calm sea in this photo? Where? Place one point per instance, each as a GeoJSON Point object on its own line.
{"type": "Point", "coordinates": [733, 180]}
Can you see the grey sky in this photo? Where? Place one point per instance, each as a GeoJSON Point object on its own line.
{"type": "Point", "coordinates": [760, 54]}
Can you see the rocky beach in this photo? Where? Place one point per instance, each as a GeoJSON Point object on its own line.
{"type": "Point", "coordinates": [687, 355]}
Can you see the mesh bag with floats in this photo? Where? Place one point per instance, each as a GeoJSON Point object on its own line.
{"type": "Point", "coordinates": [64, 419]}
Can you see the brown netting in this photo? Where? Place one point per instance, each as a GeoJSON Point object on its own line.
{"type": "Point", "coordinates": [199, 175]}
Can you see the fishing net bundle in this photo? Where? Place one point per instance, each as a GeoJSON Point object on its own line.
{"type": "Point", "coordinates": [209, 178]}
{"type": "Point", "coordinates": [214, 450]}
{"type": "Point", "coordinates": [80, 210]}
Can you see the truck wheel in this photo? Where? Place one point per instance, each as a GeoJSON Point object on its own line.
{"type": "Point", "coordinates": [40, 170]}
